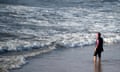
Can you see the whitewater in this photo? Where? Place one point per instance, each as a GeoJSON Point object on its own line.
{"type": "Point", "coordinates": [46, 25]}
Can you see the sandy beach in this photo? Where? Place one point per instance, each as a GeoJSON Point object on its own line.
{"type": "Point", "coordinates": [74, 60]}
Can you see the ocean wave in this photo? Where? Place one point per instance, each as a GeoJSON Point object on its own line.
{"type": "Point", "coordinates": [63, 40]}
{"type": "Point", "coordinates": [86, 39]}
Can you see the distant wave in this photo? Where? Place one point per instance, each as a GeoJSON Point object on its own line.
{"type": "Point", "coordinates": [55, 3]}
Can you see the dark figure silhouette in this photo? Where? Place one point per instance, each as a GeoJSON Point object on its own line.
{"type": "Point", "coordinates": [99, 47]}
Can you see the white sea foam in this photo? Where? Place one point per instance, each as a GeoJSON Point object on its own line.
{"type": "Point", "coordinates": [10, 62]}
{"type": "Point", "coordinates": [65, 40]}
{"type": "Point", "coordinates": [82, 39]}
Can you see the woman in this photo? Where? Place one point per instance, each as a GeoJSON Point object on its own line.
{"type": "Point", "coordinates": [99, 47]}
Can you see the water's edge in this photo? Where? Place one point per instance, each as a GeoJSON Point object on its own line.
{"type": "Point", "coordinates": [14, 60]}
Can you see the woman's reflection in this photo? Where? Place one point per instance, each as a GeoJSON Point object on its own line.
{"type": "Point", "coordinates": [97, 67]}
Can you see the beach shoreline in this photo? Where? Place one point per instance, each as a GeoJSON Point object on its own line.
{"type": "Point", "coordinates": [15, 60]}
{"type": "Point", "coordinates": [109, 59]}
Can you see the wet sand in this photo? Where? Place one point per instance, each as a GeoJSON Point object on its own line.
{"type": "Point", "coordinates": [74, 60]}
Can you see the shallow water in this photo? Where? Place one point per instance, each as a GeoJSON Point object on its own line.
{"type": "Point", "coordinates": [65, 60]}
{"type": "Point", "coordinates": [74, 59]}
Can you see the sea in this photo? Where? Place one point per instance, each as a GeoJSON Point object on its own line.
{"type": "Point", "coordinates": [26, 25]}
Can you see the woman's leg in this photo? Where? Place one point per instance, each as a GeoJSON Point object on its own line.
{"type": "Point", "coordinates": [99, 55]}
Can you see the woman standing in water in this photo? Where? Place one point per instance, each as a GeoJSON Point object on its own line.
{"type": "Point", "coordinates": [99, 47]}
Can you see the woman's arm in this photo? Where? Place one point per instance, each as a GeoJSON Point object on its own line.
{"type": "Point", "coordinates": [97, 43]}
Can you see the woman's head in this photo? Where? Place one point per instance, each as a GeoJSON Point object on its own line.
{"type": "Point", "coordinates": [98, 35]}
